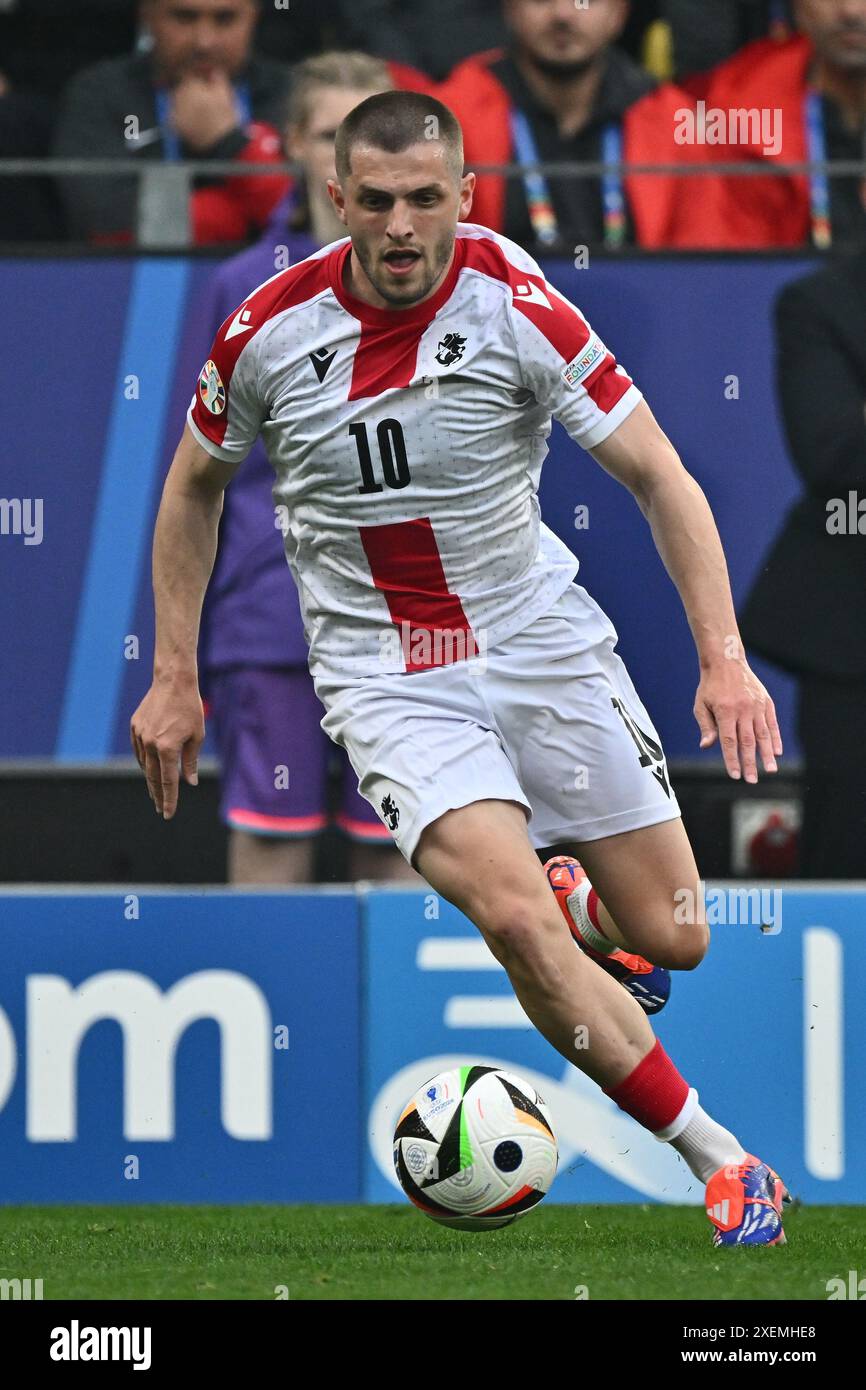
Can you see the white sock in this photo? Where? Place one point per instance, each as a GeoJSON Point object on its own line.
{"type": "Point", "coordinates": [576, 903]}
{"type": "Point", "coordinates": [704, 1145]}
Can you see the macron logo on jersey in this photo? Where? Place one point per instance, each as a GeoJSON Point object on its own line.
{"type": "Point", "coordinates": [531, 294]}
{"type": "Point", "coordinates": [579, 367]}
{"type": "Point", "coordinates": [241, 323]}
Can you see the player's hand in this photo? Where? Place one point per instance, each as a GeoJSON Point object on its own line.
{"type": "Point", "coordinates": [168, 727]}
{"type": "Point", "coordinates": [203, 109]}
{"type": "Point", "coordinates": [733, 706]}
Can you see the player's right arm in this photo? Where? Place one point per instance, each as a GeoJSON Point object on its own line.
{"type": "Point", "coordinates": [168, 726]}
{"type": "Point", "coordinates": [223, 421]}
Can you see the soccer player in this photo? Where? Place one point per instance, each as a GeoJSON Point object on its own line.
{"type": "Point", "coordinates": [403, 380]}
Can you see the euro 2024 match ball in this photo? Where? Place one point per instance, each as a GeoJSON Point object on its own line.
{"type": "Point", "coordinates": [475, 1149]}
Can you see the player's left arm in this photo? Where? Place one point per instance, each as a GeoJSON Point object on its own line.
{"type": "Point", "coordinates": [577, 378]}
{"type": "Point", "coordinates": [731, 703]}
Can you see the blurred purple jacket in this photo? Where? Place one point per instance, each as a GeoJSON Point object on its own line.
{"type": "Point", "coordinates": [251, 615]}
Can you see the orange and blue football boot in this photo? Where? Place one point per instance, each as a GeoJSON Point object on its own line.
{"type": "Point", "coordinates": [649, 984]}
{"type": "Point", "coordinates": [744, 1203]}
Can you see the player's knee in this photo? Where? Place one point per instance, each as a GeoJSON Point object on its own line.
{"type": "Point", "coordinates": [688, 946]}
{"type": "Point", "coordinates": [514, 929]}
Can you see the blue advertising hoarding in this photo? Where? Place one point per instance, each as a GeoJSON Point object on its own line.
{"type": "Point", "coordinates": [179, 1047]}
{"type": "Point", "coordinates": [226, 1046]}
{"type": "Point", "coordinates": [769, 1030]}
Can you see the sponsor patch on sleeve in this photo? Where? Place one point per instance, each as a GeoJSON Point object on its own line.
{"type": "Point", "coordinates": [575, 371]}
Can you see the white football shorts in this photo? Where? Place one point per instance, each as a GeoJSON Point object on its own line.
{"type": "Point", "coordinates": [548, 718]}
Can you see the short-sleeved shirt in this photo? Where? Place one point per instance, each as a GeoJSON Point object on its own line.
{"type": "Point", "coordinates": [407, 447]}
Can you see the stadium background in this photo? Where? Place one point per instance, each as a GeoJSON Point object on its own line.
{"type": "Point", "coordinates": [253, 1046]}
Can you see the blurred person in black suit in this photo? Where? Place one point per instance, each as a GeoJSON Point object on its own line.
{"type": "Point", "coordinates": [807, 609]}
{"type": "Point", "coordinates": [43, 43]}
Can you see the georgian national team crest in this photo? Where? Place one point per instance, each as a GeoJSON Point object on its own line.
{"type": "Point", "coordinates": [450, 349]}
{"type": "Point", "coordinates": [211, 389]}
{"type": "Point", "coordinates": [391, 812]}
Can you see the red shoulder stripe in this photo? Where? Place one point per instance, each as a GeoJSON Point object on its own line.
{"type": "Point", "coordinates": [290, 287]}
{"type": "Point", "coordinates": [561, 324]}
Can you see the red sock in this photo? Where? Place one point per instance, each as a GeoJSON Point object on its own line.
{"type": "Point", "coordinates": [654, 1093]}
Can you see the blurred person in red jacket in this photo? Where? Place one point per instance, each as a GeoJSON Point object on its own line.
{"type": "Point", "coordinates": [809, 94]}
{"type": "Point", "coordinates": [198, 91]}
{"type": "Point", "coordinates": [562, 90]}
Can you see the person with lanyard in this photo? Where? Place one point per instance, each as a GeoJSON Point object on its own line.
{"type": "Point", "coordinates": [812, 86]}
{"type": "Point", "coordinates": [562, 91]}
{"type": "Point", "coordinates": [195, 89]}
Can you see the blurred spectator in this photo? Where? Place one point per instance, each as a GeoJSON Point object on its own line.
{"type": "Point", "coordinates": [302, 31]}
{"type": "Point", "coordinates": [561, 91]}
{"type": "Point", "coordinates": [41, 49]}
{"type": "Point", "coordinates": [29, 207]}
{"type": "Point", "coordinates": [253, 655]}
{"type": "Point", "coordinates": [703, 35]}
{"type": "Point", "coordinates": [436, 35]}
{"type": "Point", "coordinates": [809, 96]}
{"type": "Point", "coordinates": [807, 610]}
{"type": "Point", "coordinates": [432, 35]}
{"type": "Point", "coordinates": [199, 92]}
{"type": "Point", "coordinates": [297, 30]}
{"type": "Point", "coordinates": [39, 52]}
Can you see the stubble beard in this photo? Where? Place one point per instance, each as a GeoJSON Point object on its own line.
{"type": "Point", "coordinates": [390, 293]}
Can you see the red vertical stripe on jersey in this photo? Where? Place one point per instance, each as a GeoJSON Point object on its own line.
{"type": "Point", "coordinates": [385, 357]}
{"type": "Point", "coordinates": [387, 353]}
{"type": "Point", "coordinates": [406, 566]}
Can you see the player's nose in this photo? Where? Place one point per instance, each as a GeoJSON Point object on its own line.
{"type": "Point", "coordinates": [400, 222]}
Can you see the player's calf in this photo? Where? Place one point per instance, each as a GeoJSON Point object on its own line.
{"type": "Point", "coordinates": [648, 883]}
{"type": "Point", "coordinates": [638, 914]}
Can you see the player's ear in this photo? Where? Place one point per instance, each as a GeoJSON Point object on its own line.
{"type": "Point", "coordinates": [467, 188]}
{"type": "Point", "coordinates": [335, 193]}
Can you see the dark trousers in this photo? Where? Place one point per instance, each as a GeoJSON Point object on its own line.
{"type": "Point", "coordinates": [832, 729]}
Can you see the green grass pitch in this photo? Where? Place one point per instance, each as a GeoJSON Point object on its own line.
{"type": "Point", "coordinates": [393, 1252]}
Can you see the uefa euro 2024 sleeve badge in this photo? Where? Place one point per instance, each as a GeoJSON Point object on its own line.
{"type": "Point", "coordinates": [211, 389]}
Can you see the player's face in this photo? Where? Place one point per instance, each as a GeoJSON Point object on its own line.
{"type": "Point", "coordinates": [199, 37]}
{"type": "Point", "coordinates": [837, 28]}
{"type": "Point", "coordinates": [556, 34]}
{"type": "Point", "coordinates": [401, 211]}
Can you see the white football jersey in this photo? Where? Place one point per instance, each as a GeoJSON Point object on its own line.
{"type": "Point", "coordinates": [407, 446]}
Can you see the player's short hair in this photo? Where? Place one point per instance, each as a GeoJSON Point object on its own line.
{"type": "Point", "coordinates": [393, 121]}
